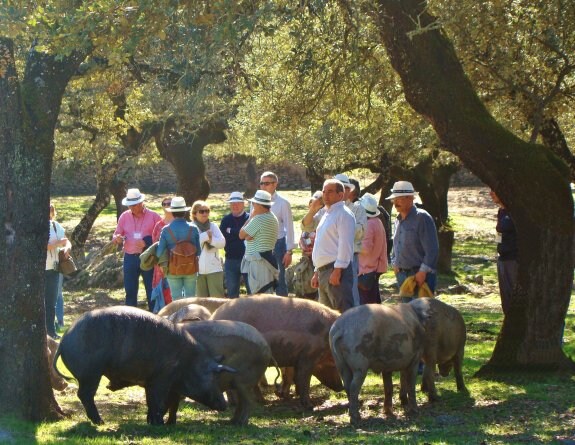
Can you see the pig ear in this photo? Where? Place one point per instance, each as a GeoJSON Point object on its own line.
{"type": "Point", "coordinates": [224, 368]}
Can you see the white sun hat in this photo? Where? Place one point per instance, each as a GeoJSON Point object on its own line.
{"type": "Point", "coordinates": [133, 197]}
{"type": "Point", "coordinates": [402, 188]}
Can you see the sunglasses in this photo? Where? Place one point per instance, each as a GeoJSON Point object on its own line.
{"type": "Point", "coordinates": [203, 211]}
{"type": "Point", "coordinates": [166, 204]}
{"type": "Point", "coordinates": [267, 182]}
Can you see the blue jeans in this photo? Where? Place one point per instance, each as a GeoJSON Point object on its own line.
{"type": "Point", "coordinates": [132, 274]}
{"type": "Point", "coordinates": [430, 279]}
{"type": "Point", "coordinates": [280, 250]}
{"type": "Point", "coordinates": [232, 277]}
{"type": "Point", "coordinates": [182, 286]}
{"type": "Point", "coordinates": [60, 302]}
{"type": "Point", "coordinates": [51, 279]}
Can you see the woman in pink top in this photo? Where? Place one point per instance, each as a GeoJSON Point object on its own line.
{"type": "Point", "coordinates": [373, 255]}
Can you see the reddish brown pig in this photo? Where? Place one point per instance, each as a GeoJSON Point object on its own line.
{"type": "Point", "coordinates": [244, 349]}
{"type": "Point", "coordinates": [381, 338]}
{"type": "Point", "coordinates": [444, 345]}
{"type": "Point", "coordinates": [190, 312]}
{"type": "Point", "coordinates": [58, 383]}
{"type": "Point", "coordinates": [135, 347]}
{"type": "Point", "coordinates": [297, 332]}
{"type": "Point", "coordinates": [210, 303]}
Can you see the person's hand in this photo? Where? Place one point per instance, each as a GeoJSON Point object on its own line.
{"type": "Point", "coordinates": [140, 244]}
{"type": "Point", "coordinates": [287, 259]}
{"type": "Point", "coordinates": [335, 277]}
{"type": "Point", "coordinates": [420, 278]}
{"type": "Point", "coordinates": [315, 205]}
{"type": "Point", "coordinates": [118, 239]}
{"type": "Point", "coordinates": [62, 242]}
{"type": "Point", "coordinates": [314, 281]}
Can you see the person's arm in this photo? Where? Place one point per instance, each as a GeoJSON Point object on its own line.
{"type": "Point", "coordinates": [120, 232]}
{"type": "Point", "coordinates": [428, 236]}
{"type": "Point", "coordinates": [345, 232]}
{"type": "Point", "coordinates": [309, 222]}
{"type": "Point", "coordinates": [218, 240]}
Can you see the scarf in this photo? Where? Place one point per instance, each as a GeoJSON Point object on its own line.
{"type": "Point", "coordinates": [203, 227]}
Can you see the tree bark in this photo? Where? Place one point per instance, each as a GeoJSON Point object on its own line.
{"type": "Point", "coordinates": [28, 113]}
{"type": "Point", "coordinates": [531, 181]}
{"type": "Point", "coordinates": [554, 139]}
{"type": "Point", "coordinates": [184, 151]}
{"type": "Point", "coordinates": [252, 178]}
{"type": "Point", "coordinates": [82, 230]}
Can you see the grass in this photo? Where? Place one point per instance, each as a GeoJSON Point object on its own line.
{"type": "Point", "coordinates": [517, 408]}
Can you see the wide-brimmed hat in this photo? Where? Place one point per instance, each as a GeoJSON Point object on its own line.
{"type": "Point", "coordinates": [402, 188]}
{"type": "Point", "coordinates": [133, 197]}
{"type": "Point", "coordinates": [369, 203]}
{"type": "Point", "coordinates": [262, 197]}
{"type": "Point", "coordinates": [178, 205]}
{"type": "Point", "coordinates": [236, 197]}
{"type": "Point", "coordinates": [344, 179]}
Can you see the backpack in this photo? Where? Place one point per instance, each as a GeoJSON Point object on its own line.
{"type": "Point", "coordinates": [183, 257]}
{"type": "Point", "coordinates": [300, 277]}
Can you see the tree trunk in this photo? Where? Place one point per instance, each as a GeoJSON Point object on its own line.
{"type": "Point", "coordinates": [252, 178]}
{"type": "Point", "coordinates": [119, 189]}
{"type": "Point", "coordinates": [554, 139]}
{"type": "Point", "coordinates": [184, 151]}
{"type": "Point", "coordinates": [82, 230]}
{"type": "Point", "coordinates": [28, 113]}
{"type": "Point", "coordinates": [531, 181]}
{"type": "Point", "coordinates": [315, 177]}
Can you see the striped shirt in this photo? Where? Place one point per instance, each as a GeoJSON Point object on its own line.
{"type": "Point", "coordinates": [264, 231]}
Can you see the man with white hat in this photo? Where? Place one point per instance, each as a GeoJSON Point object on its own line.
{"type": "Point", "coordinates": [235, 247]}
{"type": "Point", "coordinates": [260, 232]}
{"type": "Point", "coordinates": [311, 221]}
{"type": "Point", "coordinates": [285, 243]}
{"type": "Point", "coordinates": [415, 244]}
{"type": "Point", "coordinates": [134, 230]}
{"type": "Point", "coordinates": [332, 253]}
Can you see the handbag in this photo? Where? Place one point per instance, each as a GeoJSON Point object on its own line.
{"type": "Point", "coordinates": [66, 264]}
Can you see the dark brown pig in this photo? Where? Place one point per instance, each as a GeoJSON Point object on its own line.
{"type": "Point", "coordinates": [190, 312]}
{"type": "Point", "coordinates": [131, 346]}
{"type": "Point", "coordinates": [244, 349]}
{"type": "Point", "coordinates": [58, 383]}
{"type": "Point", "coordinates": [297, 332]}
{"type": "Point", "coordinates": [210, 303]}
{"type": "Point", "coordinates": [444, 345]}
{"type": "Point", "coordinates": [381, 338]}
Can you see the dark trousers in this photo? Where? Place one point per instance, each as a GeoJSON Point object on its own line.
{"type": "Point", "coordinates": [132, 274]}
{"type": "Point", "coordinates": [280, 250]}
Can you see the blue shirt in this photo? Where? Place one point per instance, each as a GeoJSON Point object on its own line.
{"type": "Point", "coordinates": [230, 227]}
{"type": "Point", "coordinates": [180, 227]}
{"type": "Point", "coordinates": [415, 244]}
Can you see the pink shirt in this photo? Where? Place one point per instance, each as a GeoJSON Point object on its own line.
{"type": "Point", "coordinates": [134, 229]}
{"type": "Point", "coordinates": [373, 255]}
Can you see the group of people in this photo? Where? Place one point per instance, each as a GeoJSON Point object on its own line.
{"type": "Point", "coordinates": [343, 239]}
{"type": "Point", "coordinates": [342, 234]}
{"type": "Point", "coordinates": [258, 245]}
{"type": "Point", "coordinates": [350, 248]}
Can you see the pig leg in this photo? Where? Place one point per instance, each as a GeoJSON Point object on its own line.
{"type": "Point", "coordinates": [173, 402]}
{"type": "Point", "coordinates": [87, 388]}
{"type": "Point", "coordinates": [287, 380]}
{"type": "Point", "coordinates": [428, 381]}
{"type": "Point", "coordinates": [242, 411]}
{"type": "Point", "coordinates": [408, 379]}
{"type": "Point", "coordinates": [387, 393]}
{"type": "Point", "coordinates": [353, 395]}
{"type": "Point", "coordinates": [157, 406]}
{"type": "Point", "coordinates": [303, 372]}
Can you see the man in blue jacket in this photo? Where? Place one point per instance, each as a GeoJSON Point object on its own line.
{"type": "Point", "coordinates": [235, 247]}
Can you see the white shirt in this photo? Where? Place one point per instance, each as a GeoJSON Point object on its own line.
{"type": "Point", "coordinates": [334, 237]}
